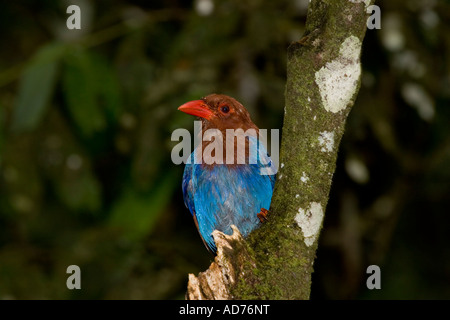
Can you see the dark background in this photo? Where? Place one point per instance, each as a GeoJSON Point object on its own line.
{"type": "Point", "coordinates": [86, 119]}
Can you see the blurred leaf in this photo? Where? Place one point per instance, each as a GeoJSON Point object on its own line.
{"type": "Point", "coordinates": [135, 70]}
{"type": "Point", "coordinates": [80, 192]}
{"type": "Point", "coordinates": [65, 165]}
{"type": "Point", "coordinates": [22, 187]}
{"type": "Point", "coordinates": [36, 87]}
{"type": "Point", "coordinates": [15, 260]}
{"type": "Point", "coordinates": [136, 213]}
{"type": "Point", "coordinates": [2, 134]}
{"type": "Point", "coordinates": [81, 90]}
{"type": "Point", "coordinates": [108, 88]}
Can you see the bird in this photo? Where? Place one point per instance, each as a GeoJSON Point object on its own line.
{"type": "Point", "coordinates": [230, 190]}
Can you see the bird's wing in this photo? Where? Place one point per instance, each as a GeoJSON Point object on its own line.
{"type": "Point", "coordinates": [188, 195]}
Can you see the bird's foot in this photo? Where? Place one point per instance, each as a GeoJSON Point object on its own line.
{"type": "Point", "coordinates": [262, 215]}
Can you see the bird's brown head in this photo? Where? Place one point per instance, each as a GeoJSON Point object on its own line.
{"type": "Point", "coordinates": [219, 111]}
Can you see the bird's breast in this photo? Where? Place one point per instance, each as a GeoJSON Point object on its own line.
{"type": "Point", "coordinates": [233, 147]}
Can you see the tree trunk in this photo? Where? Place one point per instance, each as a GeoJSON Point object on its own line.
{"type": "Point", "coordinates": [323, 77]}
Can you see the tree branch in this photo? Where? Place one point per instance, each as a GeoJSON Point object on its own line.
{"type": "Point", "coordinates": [323, 77]}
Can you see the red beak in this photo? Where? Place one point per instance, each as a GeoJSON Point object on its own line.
{"type": "Point", "coordinates": [197, 108]}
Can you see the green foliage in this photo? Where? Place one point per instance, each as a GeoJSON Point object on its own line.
{"type": "Point", "coordinates": [136, 214]}
{"type": "Point", "coordinates": [36, 87]}
{"type": "Point", "coordinates": [91, 91]}
{"type": "Point", "coordinates": [81, 85]}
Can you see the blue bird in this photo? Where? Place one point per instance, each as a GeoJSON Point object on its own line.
{"type": "Point", "coordinates": [224, 181]}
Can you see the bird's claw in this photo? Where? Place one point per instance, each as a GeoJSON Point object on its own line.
{"type": "Point", "coordinates": [262, 215]}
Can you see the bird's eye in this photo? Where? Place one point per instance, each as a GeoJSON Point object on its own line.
{"type": "Point", "coordinates": [225, 109]}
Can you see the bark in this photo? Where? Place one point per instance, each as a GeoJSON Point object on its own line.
{"type": "Point", "coordinates": [323, 77]}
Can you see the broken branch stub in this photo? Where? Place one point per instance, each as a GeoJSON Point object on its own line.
{"type": "Point", "coordinates": [228, 266]}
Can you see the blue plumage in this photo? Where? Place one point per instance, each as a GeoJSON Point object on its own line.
{"type": "Point", "coordinates": [222, 195]}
